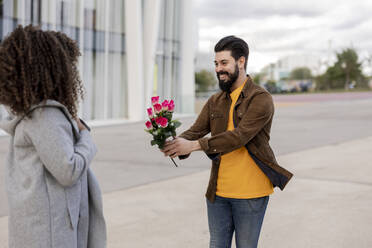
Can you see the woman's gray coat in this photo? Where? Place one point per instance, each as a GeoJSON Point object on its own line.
{"type": "Point", "coordinates": [54, 198]}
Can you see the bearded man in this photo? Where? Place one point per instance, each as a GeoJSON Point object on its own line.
{"type": "Point", "coordinates": [244, 169]}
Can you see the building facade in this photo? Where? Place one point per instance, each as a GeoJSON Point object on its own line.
{"type": "Point", "coordinates": [284, 66]}
{"type": "Point", "coordinates": [131, 50]}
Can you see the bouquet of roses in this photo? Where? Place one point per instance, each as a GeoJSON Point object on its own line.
{"type": "Point", "coordinates": [160, 124]}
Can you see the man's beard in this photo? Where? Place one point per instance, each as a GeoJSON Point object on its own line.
{"type": "Point", "coordinates": [226, 85]}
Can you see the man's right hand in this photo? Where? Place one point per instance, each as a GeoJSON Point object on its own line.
{"type": "Point", "coordinates": [180, 146]}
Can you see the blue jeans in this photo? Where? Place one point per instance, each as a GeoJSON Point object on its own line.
{"type": "Point", "coordinates": [244, 216]}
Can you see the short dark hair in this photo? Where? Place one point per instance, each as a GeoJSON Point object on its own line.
{"type": "Point", "coordinates": [237, 46]}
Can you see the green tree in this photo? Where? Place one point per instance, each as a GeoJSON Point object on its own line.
{"type": "Point", "coordinates": [301, 73]}
{"type": "Point", "coordinates": [204, 80]}
{"type": "Point", "coordinates": [257, 78]}
{"type": "Point", "coordinates": [331, 79]}
{"type": "Point", "coordinates": [271, 86]}
{"type": "Point", "coordinates": [369, 62]}
{"type": "Point", "coordinates": [345, 71]}
{"type": "Point", "coordinates": [348, 67]}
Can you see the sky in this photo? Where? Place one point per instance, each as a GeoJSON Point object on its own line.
{"type": "Point", "coordinates": [278, 28]}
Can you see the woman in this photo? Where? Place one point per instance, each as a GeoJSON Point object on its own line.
{"type": "Point", "coordinates": [54, 198]}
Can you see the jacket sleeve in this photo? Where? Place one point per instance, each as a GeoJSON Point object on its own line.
{"type": "Point", "coordinates": [258, 114]}
{"type": "Point", "coordinates": [200, 128]}
{"type": "Point", "coordinates": [51, 134]}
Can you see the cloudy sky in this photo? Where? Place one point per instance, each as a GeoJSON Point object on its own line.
{"type": "Point", "coordinates": [277, 28]}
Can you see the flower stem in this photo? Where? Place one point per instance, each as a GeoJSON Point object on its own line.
{"type": "Point", "coordinates": [174, 162]}
{"type": "Point", "coordinates": [171, 157]}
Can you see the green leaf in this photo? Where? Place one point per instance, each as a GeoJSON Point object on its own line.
{"type": "Point", "coordinates": [149, 131]}
{"type": "Point", "coordinates": [161, 143]}
{"type": "Point", "coordinates": [154, 142]}
{"type": "Point", "coordinates": [168, 115]}
{"type": "Point", "coordinates": [168, 134]}
{"type": "Point", "coordinates": [177, 123]}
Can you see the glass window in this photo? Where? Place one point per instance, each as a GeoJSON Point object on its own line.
{"type": "Point", "coordinates": [116, 58]}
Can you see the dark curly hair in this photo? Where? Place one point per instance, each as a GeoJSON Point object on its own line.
{"type": "Point", "coordinates": [37, 65]}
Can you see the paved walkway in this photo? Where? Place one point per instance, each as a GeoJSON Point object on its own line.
{"type": "Point", "coordinates": [327, 204]}
{"type": "Point", "coordinates": [149, 203]}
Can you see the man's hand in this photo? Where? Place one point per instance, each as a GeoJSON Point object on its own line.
{"type": "Point", "coordinates": [180, 146]}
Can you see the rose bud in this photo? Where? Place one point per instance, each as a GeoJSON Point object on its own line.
{"type": "Point", "coordinates": [165, 105]}
{"type": "Point", "coordinates": [171, 106]}
{"type": "Point", "coordinates": [150, 112]}
{"type": "Point", "coordinates": [149, 125]}
{"type": "Point", "coordinates": [154, 100]}
{"type": "Point", "coordinates": [158, 108]}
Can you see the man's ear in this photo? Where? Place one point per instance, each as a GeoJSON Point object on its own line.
{"type": "Point", "coordinates": [241, 62]}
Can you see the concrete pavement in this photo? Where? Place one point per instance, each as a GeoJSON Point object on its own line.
{"type": "Point", "coordinates": [149, 203]}
{"type": "Point", "coordinates": [327, 204]}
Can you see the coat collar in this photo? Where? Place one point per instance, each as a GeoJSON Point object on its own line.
{"type": "Point", "coordinates": [245, 89]}
{"type": "Point", "coordinates": [10, 123]}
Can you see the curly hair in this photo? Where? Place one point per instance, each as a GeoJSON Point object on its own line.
{"type": "Point", "coordinates": [37, 65]}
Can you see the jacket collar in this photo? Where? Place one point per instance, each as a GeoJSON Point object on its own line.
{"type": "Point", "coordinates": [11, 121]}
{"type": "Point", "coordinates": [245, 89]}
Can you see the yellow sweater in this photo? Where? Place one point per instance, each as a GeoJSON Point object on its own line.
{"type": "Point", "coordinates": [239, 176]}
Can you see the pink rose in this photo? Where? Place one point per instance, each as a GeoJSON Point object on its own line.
{"type": "Point", "coordinates": [158, 108]}
{"type": "Point", "coordinates": [162, 121]}
{"type": "Point", "coordinates": [165, 105]}
{"type": "Point", "coordinates": [171, 106]}
{"type": "Point", "coordinates": [154, 100]}
{"type": "Point", "coordinates": [148, 125]}
{"type": "Point", "coordinates": [150, 112]}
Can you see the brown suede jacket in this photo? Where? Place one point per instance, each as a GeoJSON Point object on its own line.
{"type": "Point", "coordinates": [253, 115]}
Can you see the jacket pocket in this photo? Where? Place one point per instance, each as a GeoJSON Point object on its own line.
{"type": "Point", "coordinates": [217, 122]}
{"type": "Point", "coordinates": [216, 115]}
{"type": "Point", "coordinates": [73, 197]}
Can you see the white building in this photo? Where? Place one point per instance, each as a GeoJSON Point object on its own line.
{"type": "Point", "coordinates": [132, 50]}
{"type": "Point", "coordinates": [283, 67]}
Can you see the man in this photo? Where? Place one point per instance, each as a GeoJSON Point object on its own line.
{"type": "Point", "coordinates": [244, 169]}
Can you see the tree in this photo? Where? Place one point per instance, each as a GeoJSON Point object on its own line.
{"type": "Point", "coordinates": [369, 62]}
{"type": "Point", "coordinates": [351, 69]}
{"type": "Point", "coordinates": [271, 86]}
{"type": "Point", "coordinates": [346, 70]}
{"type": "Point", "coordinates": [300, 73]}
{"type": "Point", "coordinates": [204, 80]}
{"type": "Point", "coordinates": [331, 79]}
{"type": "Point", "coordinates": [257, 78]}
